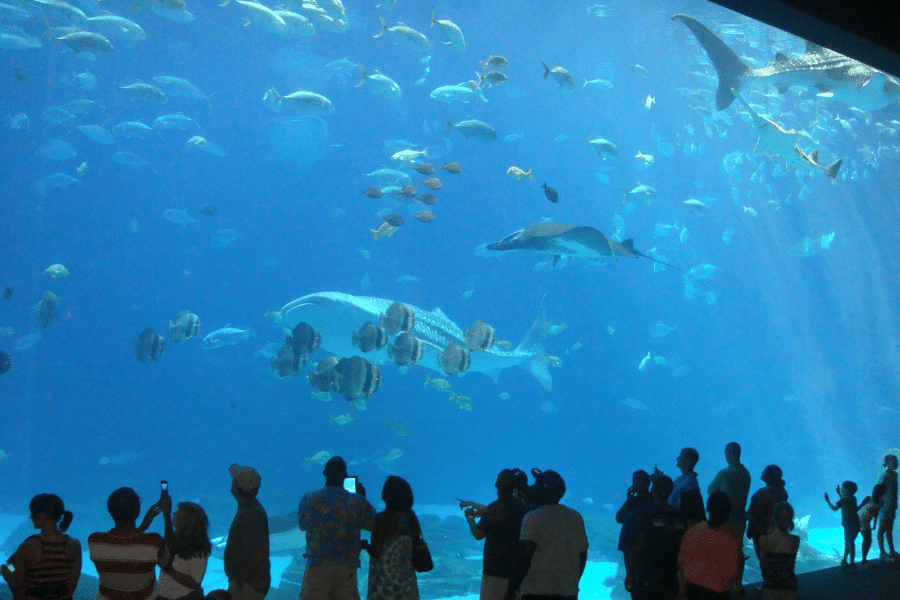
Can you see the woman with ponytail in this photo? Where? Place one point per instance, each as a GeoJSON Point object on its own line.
{"type": "Point", "coordinates": [46, 566]}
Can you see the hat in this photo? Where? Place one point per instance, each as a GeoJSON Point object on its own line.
{"type": "Point", "coordinates": [247, 478]}
{"type": "Point", "coordinates": [552, 483]}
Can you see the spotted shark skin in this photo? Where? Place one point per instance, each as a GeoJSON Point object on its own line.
{"type": "Point", "coordinates": [830, 73]}
{"type": "Point", "coordinates": [336, 315]}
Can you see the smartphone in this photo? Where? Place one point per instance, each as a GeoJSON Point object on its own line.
{"type": "Point", "coordinates": [350, 483]}
{"type": "Point", "coordinates": [163, 488]}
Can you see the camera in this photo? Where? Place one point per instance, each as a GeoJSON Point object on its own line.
{"type": "Point", "coordinates": [163, 488]}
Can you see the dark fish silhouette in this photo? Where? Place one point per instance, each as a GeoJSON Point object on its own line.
{"type": "Point", "coordinates": [424, 168]}
{"type": "Point", "coordinates": [45, 311]}
{"type": "Point", "coordinates": [576, 241]}
{"type": "Point", "coordinates": [149, 345]}
{"type": "Point", "coordinates": [209, 210]}
{"type": "Point", "coordinates": [393, 220]}
{"type": "Point", "coordinates": [8, 293]}
{"type": "Point", "coordinates": [5, 362]}
{"type": "Point", "coordinates": [551, 194]}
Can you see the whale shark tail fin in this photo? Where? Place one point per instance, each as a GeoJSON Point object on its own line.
{"type": "Point", "coordinates": [533, 346]}
{"type": "Point", "coordinates": [727, 64]}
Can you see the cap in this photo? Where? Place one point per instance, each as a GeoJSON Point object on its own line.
{"type": "Point", "coordinates": [247, 478]}
{"type": "Point", "coordinates": [552, 482]}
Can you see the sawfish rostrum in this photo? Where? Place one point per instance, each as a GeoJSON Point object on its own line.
{"type": "Point", "coordinates": [336, 315]}
{"type": "Point", "coordinates": [829, 72]}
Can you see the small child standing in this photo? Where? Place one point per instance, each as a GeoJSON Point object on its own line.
{"type": "Point", "coordinates": [849, 519]}
{"type": "Point", "coordinates": [868, 516]}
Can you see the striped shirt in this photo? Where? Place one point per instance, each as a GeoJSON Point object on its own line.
{"type": "Point", "coordinates": [126, 563]}
{"type": "Point", "coordinates": [48, 579]}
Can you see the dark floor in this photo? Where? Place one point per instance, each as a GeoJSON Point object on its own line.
{"type": "Point", "coordinates": [880, 582]}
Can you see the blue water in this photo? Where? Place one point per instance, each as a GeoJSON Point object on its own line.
{"type": "Point", "coordinates": [793, 356]}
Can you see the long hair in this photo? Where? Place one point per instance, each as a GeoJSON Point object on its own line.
{"type": "Point", "coordinates": [191, 538]}
{"type": "Point", "coordinates": [52, 506]}
{"type": "Point", "coordinates": [397, 494]}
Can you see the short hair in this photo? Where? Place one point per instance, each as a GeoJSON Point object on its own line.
{"type": "Point", "coordinates": [891, 459]}
{"type": "Point", "coordinates": [397, 494]}
{"type": "Point", "coordinates": [51, 505]}
{"type": "Point", "coordinates": [719, 506]}
{"type": "Point", "coordinates": [851, 486]}
{"type": "Point", "coordinates": [691, 454]}
{"type": "Point", "coordinates": [733, 448]}
{"type": "Point", "coordinates": [506, 480]}
{"type": "Point", "coordinates": [124, 505]}
{"type": "Point", "coordinates": [691, 505]}
{"type": "Point", "coordinates": [335, 467]}
{"type": "Point", "coordinates": [663, 485]}
{"type": "Point", "coordinates": [783, 516]}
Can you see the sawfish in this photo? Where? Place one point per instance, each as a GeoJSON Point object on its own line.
{"type": "Point", "coordinates": [774, 140]}
{"type": "Point", "coordinates": [832, 74]}
{"type": "Point", "coordinates": [336, 316]}
{"type": "Point", "coordinates": [575, 241]}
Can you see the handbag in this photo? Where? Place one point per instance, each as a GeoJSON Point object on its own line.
{"type": "Point", "coordinates": [421, 555]}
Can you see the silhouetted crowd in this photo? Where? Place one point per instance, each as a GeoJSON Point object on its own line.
{"type": "Point", "coordinates": [535, 548]}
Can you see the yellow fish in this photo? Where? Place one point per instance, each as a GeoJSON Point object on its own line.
{"type": "Point", "coordinates": [386, 230]}
{"type": "Point", "coordinates": [518, 174]}
{"type": "Point", "coordinates": [57, 270]}
{"type": "Point", "coordinates": [82, 168]}
{"type": "Point", "coordinates": [342, 419]}
{"type": "Point", "coordinates": [463, 402]}
{"type": "Point", "coordinates": [646, 158]}
{"type": "Point", "coordinates": [394, 454]}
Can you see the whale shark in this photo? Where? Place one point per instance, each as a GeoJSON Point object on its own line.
{"type": "Point", "coordinates": [832, 74]}
{"type": "Point", "coordinates": [574, 241]}
{"type": "Point", "coordinates": [336, 316]}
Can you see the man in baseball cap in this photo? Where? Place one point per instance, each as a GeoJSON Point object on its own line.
{"type": "Point", "coordinates": [247, 551]}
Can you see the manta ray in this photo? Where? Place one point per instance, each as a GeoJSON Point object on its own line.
{"type": "Point", "coordinates": [574, 241]}
{"type": "Point", "coordinates": [832, 74]}
{"type": "Point", "coordinates": [336, 316]}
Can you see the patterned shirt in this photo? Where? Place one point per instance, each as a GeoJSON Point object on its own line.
{"type": "Point", "coordinates": [126, 563]}
{"type": "Point", "coordinates": [332, 518]}
{"type": "Point", "coordinates": [687, 481]}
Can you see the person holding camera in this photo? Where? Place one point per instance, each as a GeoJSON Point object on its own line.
{"type": "Point", "coordinates": [126, 556]}
{"type": "Point", "coordinates": [188, 547]}
{"type": "Point", "coordinates": [499, 524]}
{"type": "Point", "coordinates": [553, 545]}
{"type": "Point", "coordinates": [332, 518]}
{"type": "Point", "coordinates": [631, 515]}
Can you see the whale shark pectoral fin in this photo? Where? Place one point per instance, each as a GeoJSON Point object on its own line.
{"type": "Point", "coordinates": [533, 346]}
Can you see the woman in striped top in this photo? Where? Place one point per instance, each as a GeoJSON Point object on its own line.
{"type": "Point", "coordinates": [47, 565]}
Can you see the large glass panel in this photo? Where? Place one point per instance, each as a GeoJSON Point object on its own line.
{"type": "Point", "coordinates": [729, 276]}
